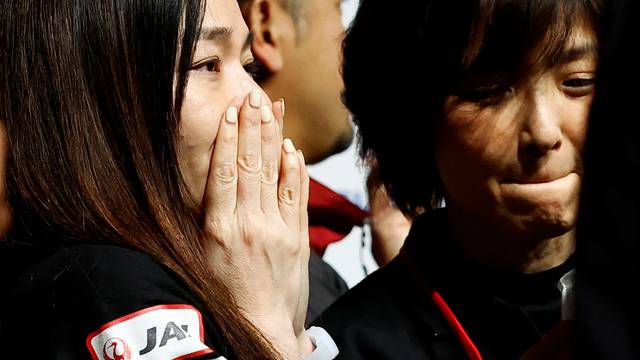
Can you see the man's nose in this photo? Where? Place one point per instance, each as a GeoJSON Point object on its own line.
{"type": "Point", "coordinates": [541, 132]}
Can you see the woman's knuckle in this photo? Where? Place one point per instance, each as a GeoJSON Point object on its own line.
{"type": "Point", "coordinates": [249, 162]}
{"type": "Point", "coordinates": [225, 172]}
{"type": "Point", "coordinates": [287, 194]}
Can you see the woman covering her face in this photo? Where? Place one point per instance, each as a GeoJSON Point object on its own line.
{"type": "Point", "coordinates": [476, 112]}
{"type": "Point", "coordinates": [157, 212]}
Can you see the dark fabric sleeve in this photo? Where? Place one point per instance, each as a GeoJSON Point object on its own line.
{"type": "Point", "coordinates": [379, 319]}
{"type": "Point", "coordinates": [104, 302]}
{"type": "Point", "coordinates": [325, 286]}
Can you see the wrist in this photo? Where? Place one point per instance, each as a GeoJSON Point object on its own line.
{"type": "Point", "coordinates": [279, 333]}
{"type": "Point", "coordinates": [324, 346]}
{"type": "Point", "coordinates": [305, 345]}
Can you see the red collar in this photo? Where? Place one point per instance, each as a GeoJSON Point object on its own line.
{"type": "Point", "coordinates": [331, 216]}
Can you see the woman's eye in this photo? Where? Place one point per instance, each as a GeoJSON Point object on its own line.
{"type": "Point", "coordinates": [210, 65]}
{"type": "Point", "coordinates": [253, 68]}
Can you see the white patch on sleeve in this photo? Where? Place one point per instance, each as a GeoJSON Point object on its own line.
{"type": "Point", "coordinates": [158, 332]}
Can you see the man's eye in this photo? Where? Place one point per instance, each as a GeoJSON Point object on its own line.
{"type": "Point", "coordinates": [210, 65]}
{"type": "Point", "coordinates": [253, 68]}
{"type": "Point", "coordinates": [579, 87]}
{"type": "Point", "coordinates": [578, 83]}
{"type": "Point", "coordinates": [485, 94]}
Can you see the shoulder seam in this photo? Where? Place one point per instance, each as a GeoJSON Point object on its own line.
{"type": "Point", "coordinates": [76, 259]}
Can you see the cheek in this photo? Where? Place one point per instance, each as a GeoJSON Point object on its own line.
{"type": "Point", "coordinates": [483, 140]}
{"type": "Point", "coordinates": [575, 127]}
{"type": "Point", "coordinates": [474, 149]}
{"type": "Point", "coordinates": [199, 120]}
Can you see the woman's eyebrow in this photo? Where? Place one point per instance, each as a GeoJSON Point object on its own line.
{"type": "Point", "coordinates": [223, 35]}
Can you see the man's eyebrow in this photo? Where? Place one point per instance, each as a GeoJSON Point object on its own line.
{"type": "Point", "coordinates": [223, 35]}
{"type": "Point", "coordinates": [578, 52]}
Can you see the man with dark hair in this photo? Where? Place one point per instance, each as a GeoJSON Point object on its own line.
{"type": "Point", "coordinates": [297, 44]}
{"type": "Point", "coordinates": [482, 107]}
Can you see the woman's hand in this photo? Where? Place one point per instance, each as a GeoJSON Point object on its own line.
{"type": "Point", "coordinates": [255, 220]}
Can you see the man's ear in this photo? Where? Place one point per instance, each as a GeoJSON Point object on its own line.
{"type": "Point", "coordinates": [269, 22]}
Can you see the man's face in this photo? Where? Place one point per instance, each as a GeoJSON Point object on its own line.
{"type": "Point", "coordinates": [311, 83]}
{"type": "Point", "coordinates": [513, 158]}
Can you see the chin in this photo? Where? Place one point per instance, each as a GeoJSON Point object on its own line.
{"type": "Point", "coordinates": [343, 141]}
{"type": "Point", "coordinates": [337, 143]}
{"type": "Point", "coordinates": [550, 223]}
{"type": "Point", "coordinates": [542, 210]}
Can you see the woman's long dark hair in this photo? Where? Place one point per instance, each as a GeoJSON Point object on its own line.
{"type": "Point", "coordinates": [88, 99]}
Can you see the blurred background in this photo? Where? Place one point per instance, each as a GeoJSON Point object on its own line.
{"type": "Point", "coordinates": [344, 174]}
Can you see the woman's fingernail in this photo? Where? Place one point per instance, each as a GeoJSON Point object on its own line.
{"type": "Point", "coordinates": [281, 104]}
{"type": "Point", "coordinates": [288, 146]}
{"type": "Point", "coordinates": [266, 114]}
{"type": "Point", "coordinates": [301, 156]}
{"type": "Point", "coordinates": [255, 98]}
{"type": "Point", "coordinates": [232, 115]}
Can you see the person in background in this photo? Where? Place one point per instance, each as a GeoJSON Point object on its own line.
{"type": "Point", "coordinates": [297, 46]}
{"type": "Point", "coordinates": [482, 104]}
{"type": "Point", "coordinates": [389, 226]}
{"type": "Point", "coordinates": [608, 234]}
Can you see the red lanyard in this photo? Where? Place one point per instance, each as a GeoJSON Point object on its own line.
{"type": "Point", "coordinates": [453, 322]}
{"type": "Point", "coordinates": [455, 325]}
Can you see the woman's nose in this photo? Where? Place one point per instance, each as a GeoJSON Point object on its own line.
{"type": "Point", "coordinates": [242, 84]}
